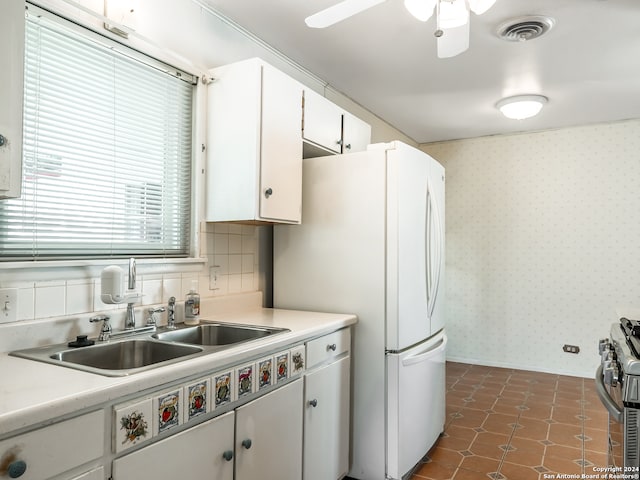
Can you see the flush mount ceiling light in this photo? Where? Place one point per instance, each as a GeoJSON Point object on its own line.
{"type": "Point", "coordinates": [520, 107]}
{"type": "Point", "coordinates": [452, 18]}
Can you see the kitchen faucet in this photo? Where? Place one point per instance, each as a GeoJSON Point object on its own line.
{"type": "Point", "coordinates": [130, 319]}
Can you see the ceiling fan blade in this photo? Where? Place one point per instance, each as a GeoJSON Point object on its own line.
{"type": "Point", "coordinates": [453, 41]}
{"type": "Point", "coordinates": [339, 12]}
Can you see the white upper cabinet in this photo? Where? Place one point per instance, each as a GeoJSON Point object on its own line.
{"type": "Point", "coordinates": [328, 129]}
{"type": "Point", "coordinates": [254, 160]}
{"type": "Point", "coordinates": [11, 94]}
{"type": "Point", "coordinates": [322, 122]}
{"type": "Point", "coordinates": [356, 134]}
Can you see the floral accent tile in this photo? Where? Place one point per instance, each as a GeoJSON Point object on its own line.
{"type": "Point", "coordinates": [133, 424]}
{"type": "Point", "coordinates": [222, 384]}
{"type": "Point", "coordinates": [245, 380]}
{"type": "Point", "coordinates": [168, 411]}
{"type": "Point", "coordinates": [297, 360]}
{"type": "Point", "coordinates": [282, 366]}
{"type": "Point", "coordinates": [265, 373]}
{"type": "Point", "coordinates": [197, 399]}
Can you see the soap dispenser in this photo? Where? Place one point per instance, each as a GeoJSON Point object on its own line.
{"type": "Point", "coordinates": [192, 307]}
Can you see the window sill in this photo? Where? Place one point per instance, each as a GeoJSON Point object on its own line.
{"type": "Point", "coordinates": [19, 272]}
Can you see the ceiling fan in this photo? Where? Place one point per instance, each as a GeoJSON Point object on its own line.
{"type": "Point", "coordinates": [452, 18]}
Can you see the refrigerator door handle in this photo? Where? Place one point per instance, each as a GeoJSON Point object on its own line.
{"type": "Point", "coordinates": [433, 241]}
{"type": "Point", "coordinates": [438, 241]}
{"type": "Point", "coordinates": [425, 354]}
{"type": "Point", "coordinates": [428, 248]}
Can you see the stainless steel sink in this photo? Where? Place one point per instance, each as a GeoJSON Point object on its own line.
{"type": "Point", "coordinates": [125, 355]}
{"type": "Point", "coordinates": [217, 334]}
{"type": "Point", "coordinates": [139, 352]}
{"type": "Point", "coordinates": [117, 358]}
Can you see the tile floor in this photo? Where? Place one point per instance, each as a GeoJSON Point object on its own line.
{"type": "Point", "coordinates": [517, 425]}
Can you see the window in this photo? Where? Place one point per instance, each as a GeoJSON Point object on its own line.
{"type": "Point", "coordinates": [107, 151]}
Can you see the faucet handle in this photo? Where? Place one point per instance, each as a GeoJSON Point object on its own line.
{"type": "Point", "coordinates": [152, 320]}
{"type": "Point", "coordinates": [105, 331]}
{"type": "Point", "coordinates": [171, 315]}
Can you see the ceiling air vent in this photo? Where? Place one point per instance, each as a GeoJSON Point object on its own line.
{"type": "Point", "coordinates": [523, 29]}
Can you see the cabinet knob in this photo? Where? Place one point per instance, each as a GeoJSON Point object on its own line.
{"type": "Point", "coordinates": [17, 468]}
{"type": "Point", "coordinates": [313, 403]}
{"type": "Point", "coordinates": [228, 455]}
{"type": "Point", "coordinates": [246, 443]}
{"type": "Point", "coordinates": [268, 192]}
{"type": "Point", "coordinates": [348, 146]}
{"type": "Point", "coordinates": [339, 142]}
{"type": "Point", "coordinates": [2, 140]}
{"type": "Point", "coordinates": [332, 347]}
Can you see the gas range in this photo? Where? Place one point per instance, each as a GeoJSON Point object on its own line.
{"type": "Point", "coordinates": [625, 342]}
{"type": "Point", "coordinates": [618, 386]}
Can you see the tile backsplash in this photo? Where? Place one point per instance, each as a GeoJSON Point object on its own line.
{"type": "Point", "coordinates": [229, 252]}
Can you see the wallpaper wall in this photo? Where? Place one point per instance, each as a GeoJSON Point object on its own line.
{"type": "Point", "coordinates": [543, 244]}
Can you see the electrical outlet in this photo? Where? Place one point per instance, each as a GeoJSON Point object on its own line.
{"type": "Point", "coordinates": [8, 305]}
{"type": "Point", "coordinates": [571, 349]}
{"type": "Point", "coordinates": [213, 277]}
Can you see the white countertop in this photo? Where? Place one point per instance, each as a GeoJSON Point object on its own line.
{"type": "Point", "coordinates": [32, 392]}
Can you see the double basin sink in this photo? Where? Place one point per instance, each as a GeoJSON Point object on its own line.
{"type": "Point", "coordinates": [140, 352]}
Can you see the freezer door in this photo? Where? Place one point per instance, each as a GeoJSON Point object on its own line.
{"type": "Point", "coordinates": [415, 244]}
{"type": "Point", "coordinates": [415, 403]}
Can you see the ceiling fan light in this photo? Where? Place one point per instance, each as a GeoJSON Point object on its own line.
{"type": "Point", "coordinates": [520, 107]}
{"type": "Point", "coordinates": [453, 14]}
{"type": "Point", "coordinates": [421, 9]}
{"type": "Point", "coordinates": [453, 41]}
{"type": "Point", "coordinates": [480, 6]}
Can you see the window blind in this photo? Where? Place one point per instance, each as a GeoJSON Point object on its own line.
{"type": "Point", "coordinates": [107, 153]}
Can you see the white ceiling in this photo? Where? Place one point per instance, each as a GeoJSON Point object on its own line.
{"type": "Point", "coordinates": [588, 65]}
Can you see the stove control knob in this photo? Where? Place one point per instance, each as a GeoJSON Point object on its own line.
{"type": "Point", "coordinates": [603, 345]}
{"type": "Point", "coordinates": [608, 355]}
{"type": "Point", "coordinates": [610, 372]}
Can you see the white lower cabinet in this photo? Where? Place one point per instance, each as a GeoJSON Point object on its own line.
{"type": "Point", "coordinates": [269, 436]}
{"type": "Point", "coordinates": [326, 422]}
{"type": "Point", "coordinates": [204, 451]}
{"type": "Point", "coordinates": [53, 450]}
{"type": "Point", "coordinates": [294, 425]}
{"type": "Point", "coordinates": [262, 439]}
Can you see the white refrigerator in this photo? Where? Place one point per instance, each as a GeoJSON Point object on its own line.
{"type": "Point", "coordinates": [371, 243]}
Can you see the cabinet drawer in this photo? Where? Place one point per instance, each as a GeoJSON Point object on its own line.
{"type": "Point", "coordinates": [52, 450]}
{"type": "Point", "coordinates": [325, 348]}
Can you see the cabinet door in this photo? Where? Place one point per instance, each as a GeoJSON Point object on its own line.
{"type": "Point", "coordinates": [269, 436]}
{"type": "Point", "coordinates": [54, 449]}
{"type": "Point", "coordinates": [233, 141]}
{"type": "Point", "coordinates": [356, 134]}
{"type": "Point", "coordinates": [11, 92]}
{"type": "Point", "coordinates": [280, 195]}
{"type": "Point", "coordinates": [326, 422]}
{"type": "Point", "coordinates": [322, 122]}
{"type": "Point", "coordinates": [205, 451]}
